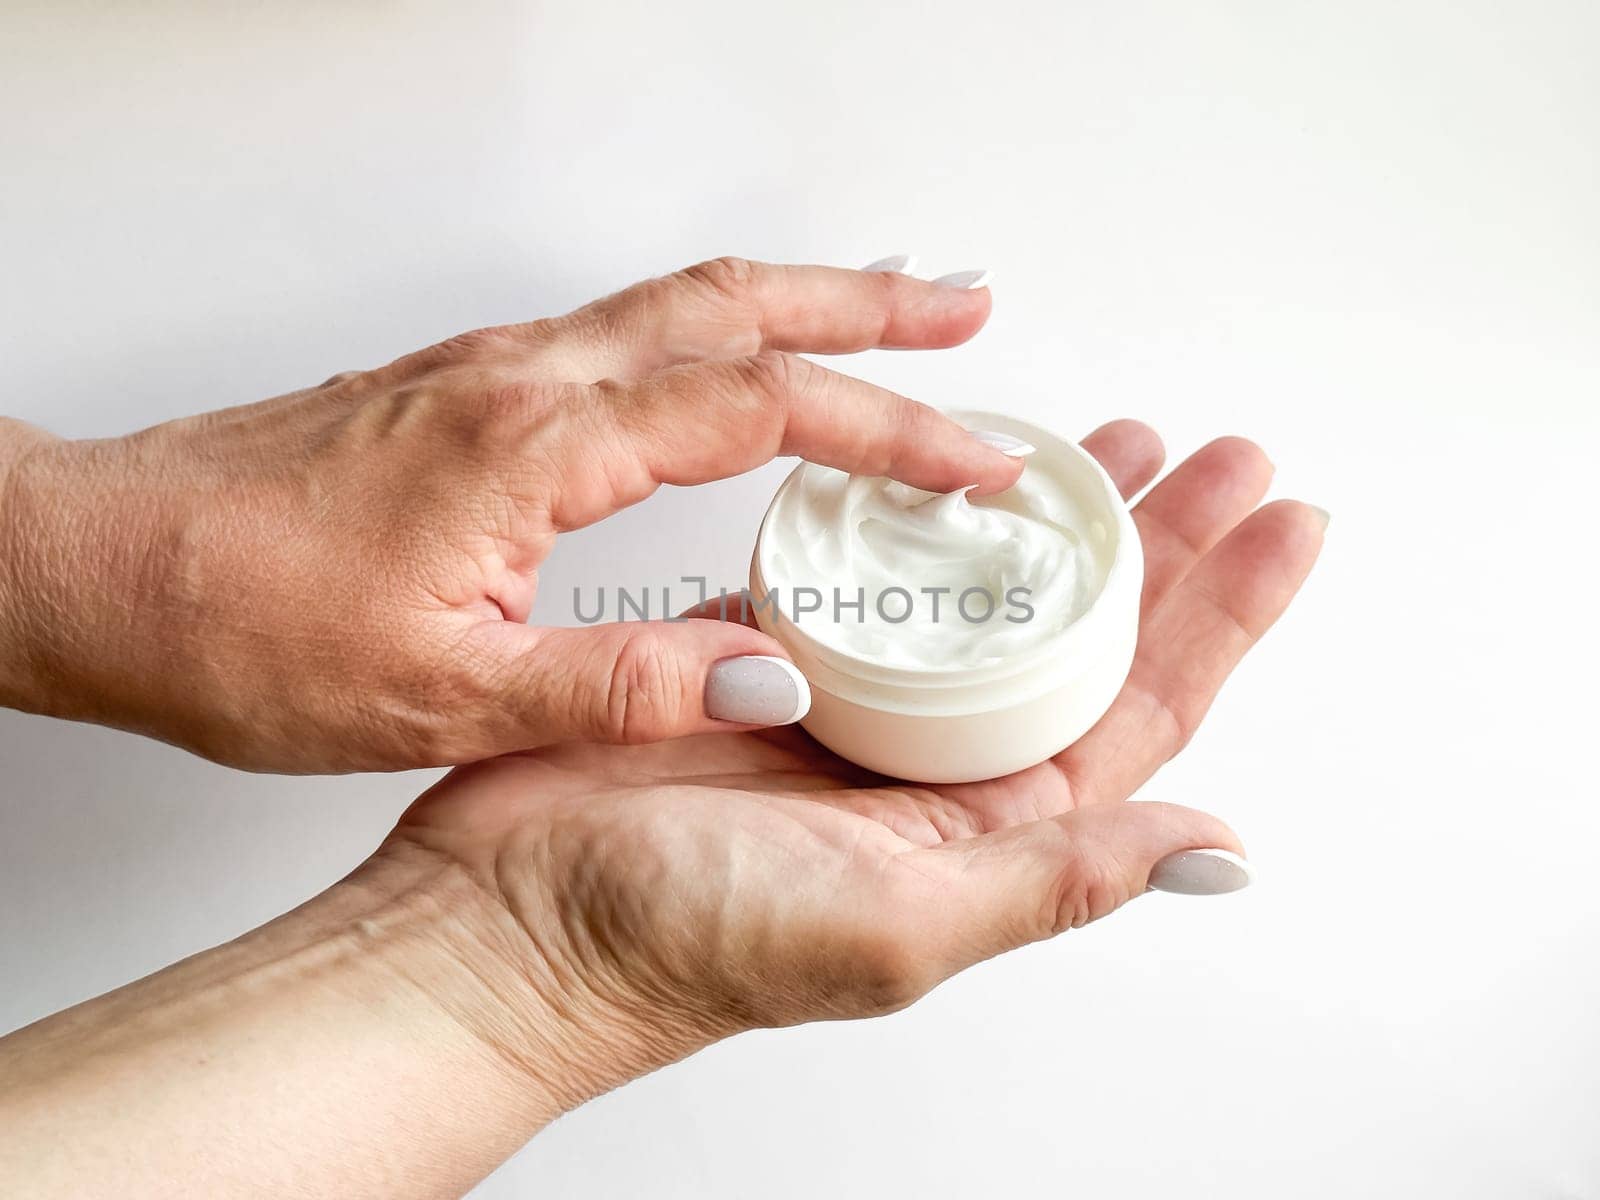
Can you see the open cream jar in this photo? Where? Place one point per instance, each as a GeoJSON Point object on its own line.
{"type": "Point", "coordinates": [948, 639]}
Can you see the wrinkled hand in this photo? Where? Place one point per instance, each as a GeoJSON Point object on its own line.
{"type": "Point", "coordinates": [338, 579]}
{"type": "Point", "coordinates": [657, 898]}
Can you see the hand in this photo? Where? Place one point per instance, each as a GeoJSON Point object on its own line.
{"type": "Point", "coordinates": [338, 579]}
{"type": "Point", "coordinates": [657, 898]}
{"type": "Point", "coordinates": [540, 928]}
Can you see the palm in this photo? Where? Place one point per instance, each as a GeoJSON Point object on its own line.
{"type": "Point", "coordinates": [686, 854]}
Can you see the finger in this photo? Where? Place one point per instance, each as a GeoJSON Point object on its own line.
{"type": "Point", "coordinates": [1186, 514]}
{"type": "Point", "coordinates": [691, 425]}
{"type": "Point", "coordinates": [1034, 881]}
{"type": "Point", "coordinates": [1189, 644]}
{"type": "Point", "coordinates": [732, 308]}
{"type": "Point", "coordinates": [644, 681]}
{"type": "Point", "coordinates": [1130, 452]}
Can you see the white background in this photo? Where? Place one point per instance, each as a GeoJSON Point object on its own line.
{"type": "Point", "coordinates": [1362, 233]}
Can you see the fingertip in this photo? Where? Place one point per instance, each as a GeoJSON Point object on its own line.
{"type": "Point", "coordinates": [1131, 431]}
{"type": "Point", "coordinates": [1291, 528]}
{"type": "Point", "coordinates": [1310, 516]}
{"type": "Point", "coordinates": [1290, 524]}
{"type": "Point", "coordinates": [1007, 444]}
{"type": "Point", "coordinates": [997, 471]}
{"type": "Point", "coordinates": [1203, 871]}
{"type": "Point", "coordinates": [756, 689]}
{"type": "Point", "coordinates": [802, 688]}
{"type": "Point", "coordinates": [1238, 456]}
{"type": "Point", "coordinates": [1166, 828]}
{"type": "Point", "coordinates": [958, 316]}
{"type": "Point", "coordinates": [1130, 452]}
{"type": "Point", "coordinates": [924, 316]}
{"type": "Point", "coordinates": [931, 450]}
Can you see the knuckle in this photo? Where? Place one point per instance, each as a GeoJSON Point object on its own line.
{"type": "Point", "coordinates": [1089, 888]}
{"type": "Point", "coordinates": [610, 415]}
{"type": "Point", "coordinates": [776, 374]}
{"type": "Point", "coordinates": [614, 320]}
{"type": "Point", "coordinates": [606, 398]}
{"type": "Point", "coordinates": [530, 335]}
{"type": "Point", "coordinates": [728, 276]}
{"type": "Point", "coordinates": [500, 402]}
{"type": "Point", "coordinates": [513, 400]}
{"type": "Point", "coordinates": [644, 690]}
{"type": "Point", "coordinates": [472, 344]}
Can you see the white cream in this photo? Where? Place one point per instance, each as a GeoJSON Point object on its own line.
{"type": "Point", "coordinates": [944, 581]}
{"type": "Point", "coordinates": [955, 699]}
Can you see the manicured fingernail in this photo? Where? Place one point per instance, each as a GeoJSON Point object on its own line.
{"type": "Point", "coordinates": [1321, 512]}
{"type": "Point", "coordinates": [757, 690]}
{"type": "Point", "coordinates": [895, 264]}
{"type": "Point", "coordinates": [1005, 443]}
{"type": "Point", "coordinates": [969, 281]}
{"type": "Point", "coordinates": [1201, 873]}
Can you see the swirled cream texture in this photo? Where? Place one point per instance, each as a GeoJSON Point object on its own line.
{"type": "Point", "coordinates": [906, 578]}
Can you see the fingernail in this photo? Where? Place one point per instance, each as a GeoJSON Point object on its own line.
{"type": "Point", "coordinates": [757, 690]}
{"type": "Point", "coordinates": [1015, 447]}
{"type": "Point", "coordinates": [1321, 512]}
{"type": "Point", "coordinates": [1201, 873]}
{"type": "Point", "coordinates": [965, 280]}
{"type": "Point", "coordinates": [895, 264]}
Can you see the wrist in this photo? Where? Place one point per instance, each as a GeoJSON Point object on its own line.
{"type": "Point", "coordinates": [85, 557]}
{"type": "Point", "coordinates": [408, 927]}
{"type": "Point", "coordinates": [568, 1033]}
{"type": "Point", "coordinates": [21, 666]}
{"type": "Point", "coordinates": [364, 1029]}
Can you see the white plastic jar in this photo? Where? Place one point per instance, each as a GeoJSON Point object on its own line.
{"type": "Point", "coordinates": [941, 696]}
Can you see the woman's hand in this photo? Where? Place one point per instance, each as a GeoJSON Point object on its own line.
{"type": "Point", "coordinates": [338, 579]}
{"type": "Point", "coordinates": [661, 897]}
{"type": "Point", "coordinates": [546, 926]}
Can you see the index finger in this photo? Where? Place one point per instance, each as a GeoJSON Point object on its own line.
{"type": "Point", "coordinates": [732, 308]}
{"type": "Point", "coordinates": [692, 425]}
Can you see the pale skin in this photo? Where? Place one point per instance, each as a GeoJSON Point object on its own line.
{"type": "Point", "coordinates": [550, 924]}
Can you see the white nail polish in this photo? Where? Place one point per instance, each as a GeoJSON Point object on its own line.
{"type": "Point", "coordinates": [969, 281]}
{"type": "Point", "coordinates": [757, 689]}
{"type": "Point", "coordinates": [1015, 447]}
{"type": "Point", "coordinates": [1201, 873]}
{"type": "Point", "coordinates": [895, 264]}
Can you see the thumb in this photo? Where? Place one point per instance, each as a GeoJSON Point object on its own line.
{"type": "Point", "coordinates": [634, 682]}
{"type": "Point", "coordinates": [1036, 880]}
